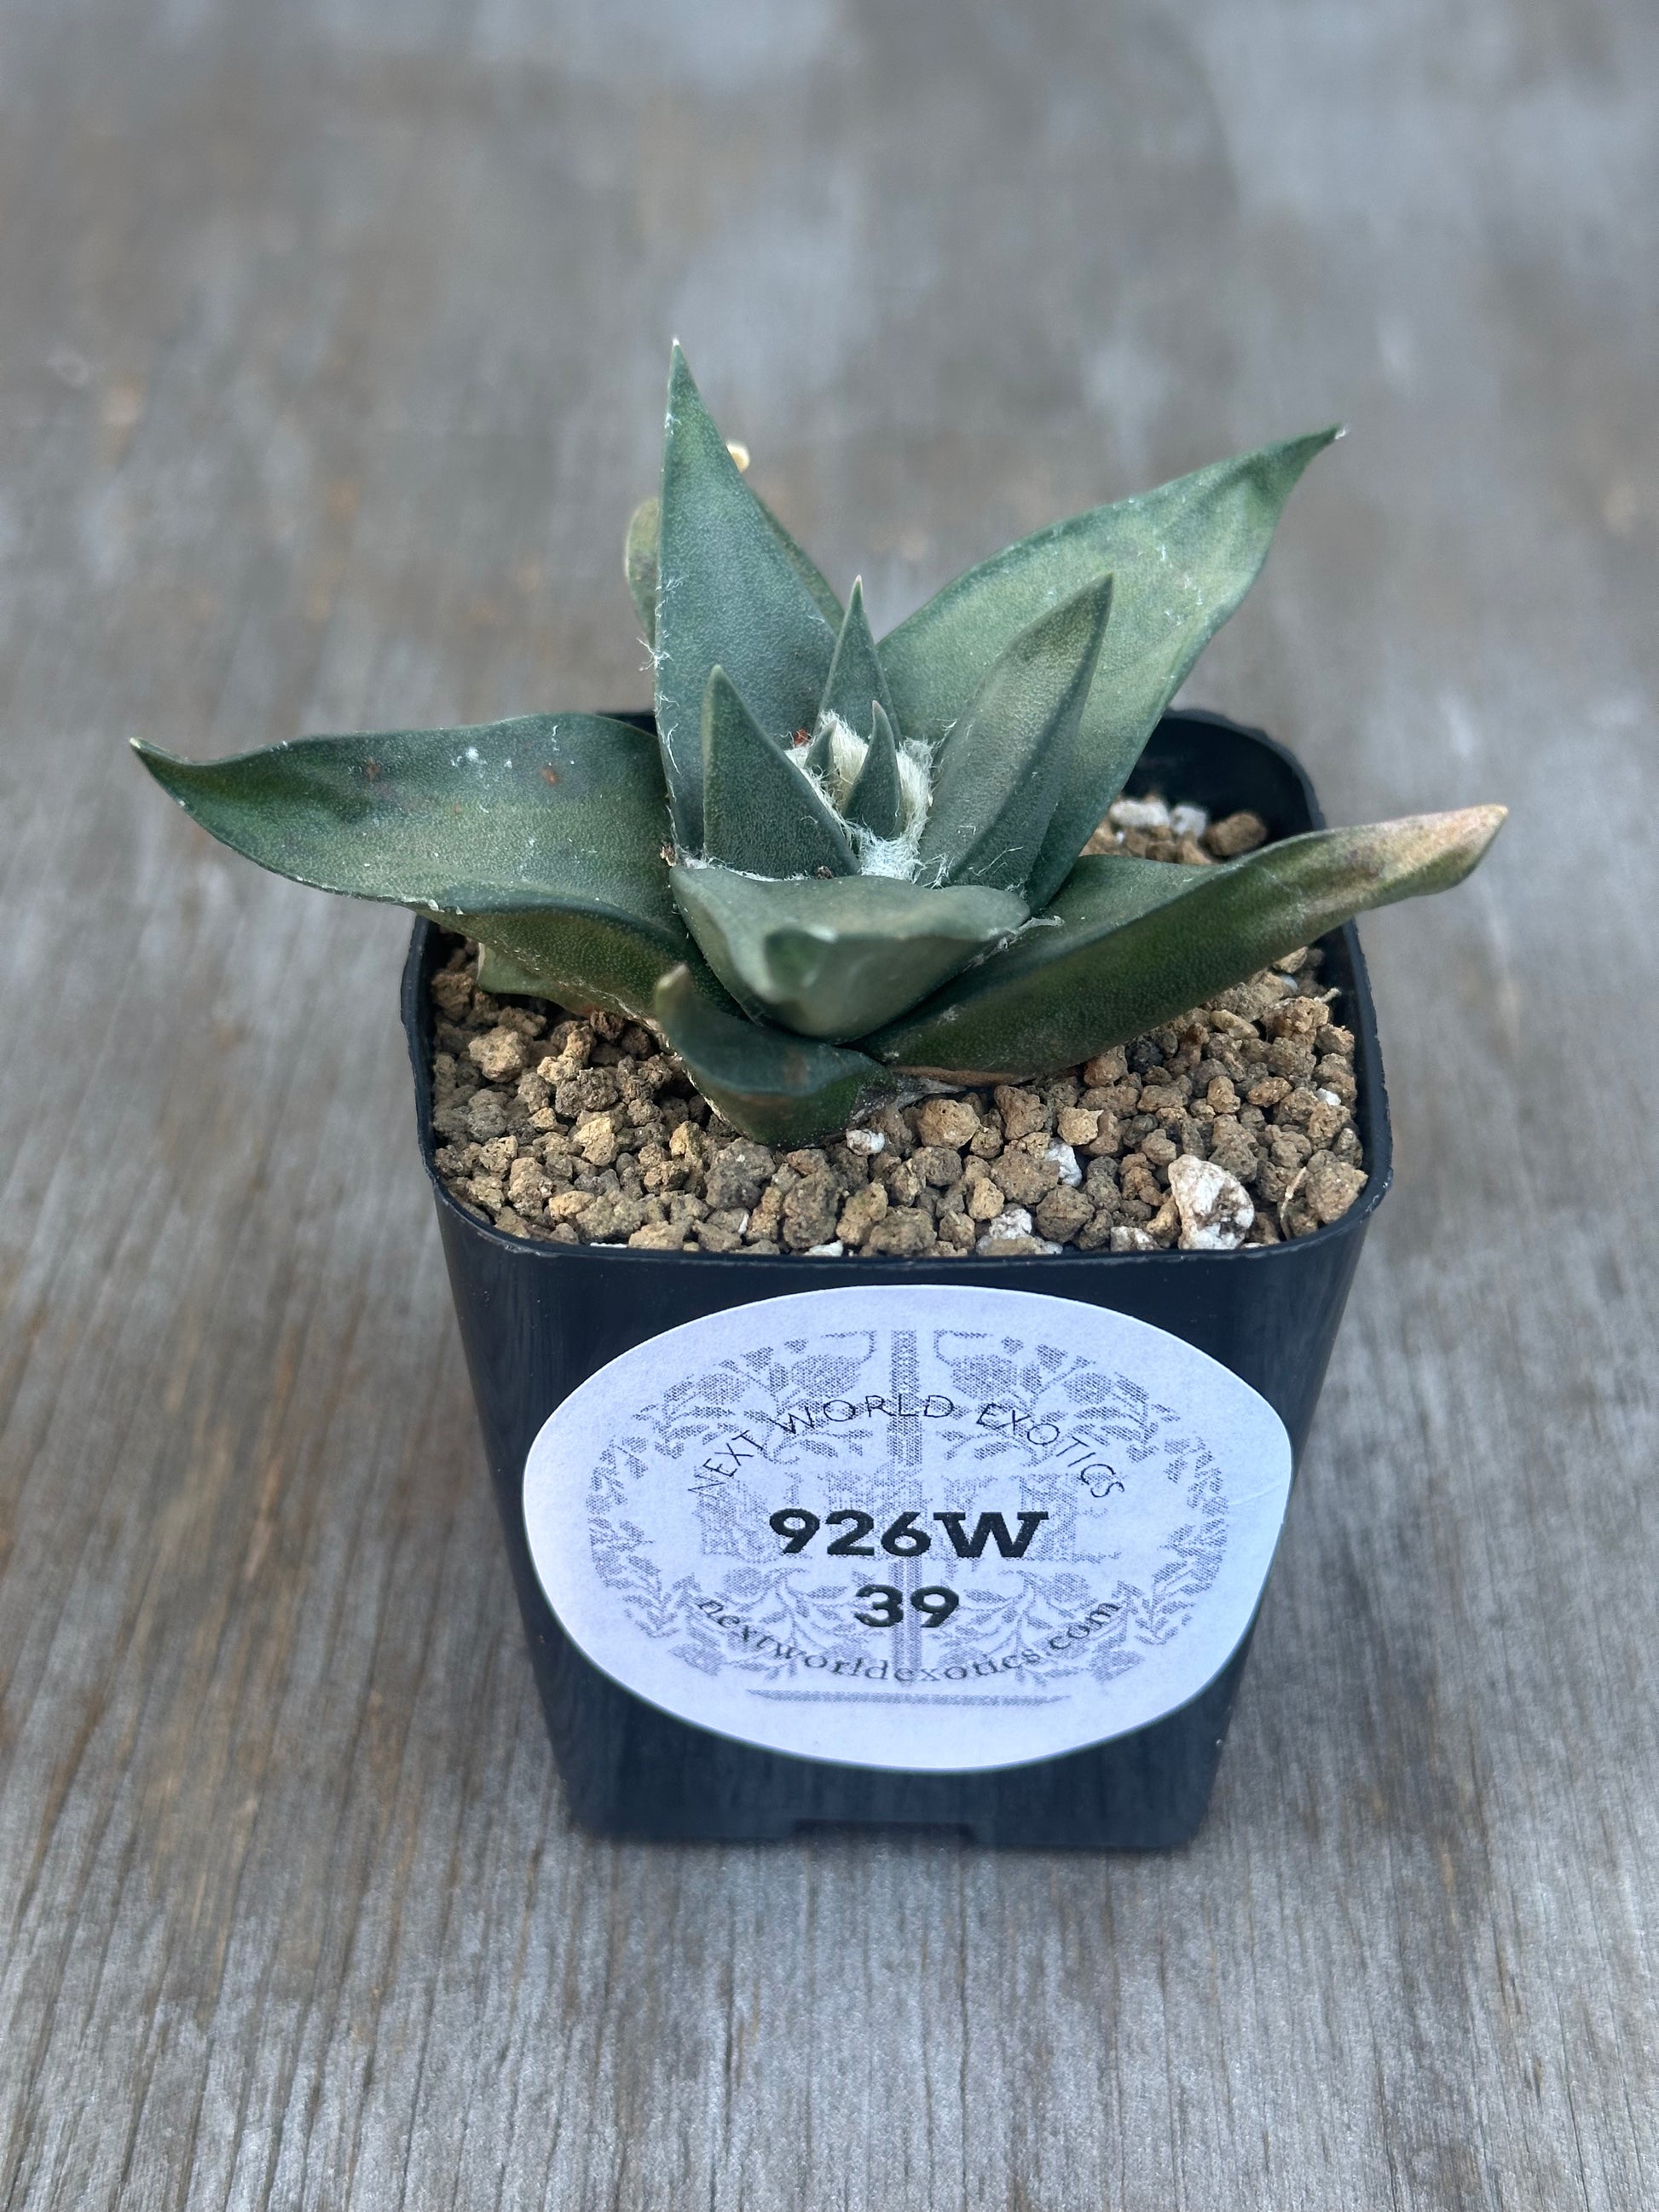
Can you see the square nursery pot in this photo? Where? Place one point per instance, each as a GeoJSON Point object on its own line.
{"type": "Point", "coordinates": [701, 1680]}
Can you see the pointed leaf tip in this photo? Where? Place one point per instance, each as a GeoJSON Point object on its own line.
{"type": "Point", "coordinates": [1004, 766]}
{"type": "Point", "coordinates": [1376, 863]}
{"type": "Point", "coordinates": [1133, 943]}
{"type": "Point", "coordinates": [540, 836]}
{"type": "Point", "coordinates": [761, 814]}
{"type": "Point", "coordinates": [1209, 531]}
{"type": "Point", "coordinates": [734, 587]}
{"type": "Point", "coordinates": [1455, 841]}
{"type": "Point", "coordinates": [876, 802]}
{"type": "Point", "coordinates": [855, 675]}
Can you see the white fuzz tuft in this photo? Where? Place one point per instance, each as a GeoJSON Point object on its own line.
{"type": "Point", "coordinates": [887, 856]}
{"type": "Point", "coordinates": [877, 856]}
{"type": "Point", "coordinates": [847, 751]}
{"type": "Point", "coordinates": [822, 785]}
{"type": "Point", "coordinates": [915, 769]}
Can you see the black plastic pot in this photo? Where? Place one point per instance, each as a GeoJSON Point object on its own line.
{"type": "Point", "coordinates": [538, 1319]}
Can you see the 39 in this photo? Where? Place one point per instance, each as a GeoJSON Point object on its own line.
{"type": "Point", "coordinates": [886, 1606]}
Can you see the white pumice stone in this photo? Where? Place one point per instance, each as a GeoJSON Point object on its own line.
{"type": "Point", "coordinates": [1215, 1207]}
{"type": "Point", "coordinates": [1138, 814]}
{"type": "Point", "coordinates": [1013, 1221]}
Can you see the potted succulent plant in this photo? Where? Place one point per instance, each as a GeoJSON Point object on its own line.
{"type": "Point", "coordinates": [884, 981]}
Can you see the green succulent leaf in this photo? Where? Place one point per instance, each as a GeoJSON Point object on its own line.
{"type": "Point", "coordinates": [776, 1088]}
{"type": "Point", "coordinates": [1005, 764]}
{"type": "Point", "coordinates": [578, 960]}
{"type": "Point", "coordinates": [540, 836]}
{"type": "Point", "coordinates": [505, 979]}
{"type": "Point", "coordinates": [760, 813]}
{"type": "Point", "coordinates": [1181, 558]}
{"type": "Point", "coordinates": [730, 590]}
{"type": "Point", "coordinates": [1129, 944]}
{"type": "Point", "coordinates": [639, 562]}
{"type": "Point", "coordinates": [838, 958]}
{"type": "Point", "coordinates": [876, 802]}
{"type": "Point", "coordinates": [817, 754]}
{"type": "Point", "coordinates": [801, 561]}
{"type": "Point", "coordinates": [855, 674]}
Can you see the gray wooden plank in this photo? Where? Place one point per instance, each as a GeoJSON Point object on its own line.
{"type": "Point", "coordinates": [330, 355]}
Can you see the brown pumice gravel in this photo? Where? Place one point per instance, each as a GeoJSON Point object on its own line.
{"type": "Point", "coordinates": [1232, 1125]}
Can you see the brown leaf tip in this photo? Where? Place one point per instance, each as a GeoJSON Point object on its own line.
{"type": "Point", "coordinates": [1431, 851]}
{"type": "Point", "coordinates": [1464, 832]}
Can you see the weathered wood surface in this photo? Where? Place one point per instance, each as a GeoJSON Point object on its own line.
{"type": "Point", "coordinates": [330, 346]}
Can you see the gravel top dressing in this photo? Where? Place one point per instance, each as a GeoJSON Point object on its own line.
{"type": "Point", "coordinates": [1232, 1125]}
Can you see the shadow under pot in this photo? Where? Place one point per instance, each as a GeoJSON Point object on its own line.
{"type": "Point", "coordinates": [971, 1543]}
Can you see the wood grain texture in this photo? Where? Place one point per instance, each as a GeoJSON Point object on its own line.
{"type": "Point", "coordinates": [331, 340]}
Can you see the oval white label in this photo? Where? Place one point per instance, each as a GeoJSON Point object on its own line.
{"type": "Point", "coordinates": [941, 1528]}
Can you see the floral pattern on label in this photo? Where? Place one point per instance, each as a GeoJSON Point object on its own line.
{"type": "Point", "coordinates": [945, 1528]}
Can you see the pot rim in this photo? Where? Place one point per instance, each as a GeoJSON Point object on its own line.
{"type": "Point", "coordinates": [808, 1269]}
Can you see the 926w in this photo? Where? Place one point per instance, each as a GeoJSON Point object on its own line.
{"type": "Point", "coordinates": [903, 1539]}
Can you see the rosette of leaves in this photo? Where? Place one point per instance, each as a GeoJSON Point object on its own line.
{"type": "Point", "coordinates": [842, 868]}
